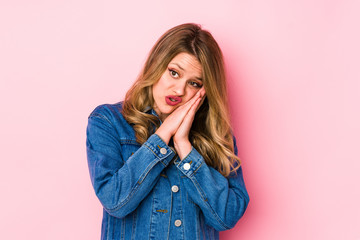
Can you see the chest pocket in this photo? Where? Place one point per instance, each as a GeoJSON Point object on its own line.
{"type": "Point", "coordinates": [128, 148]}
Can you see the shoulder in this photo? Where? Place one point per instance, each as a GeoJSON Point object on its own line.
{"type": "Point", "coordinates": [107, 110]}
{"type": "Point", "coordinates": [111, 114]}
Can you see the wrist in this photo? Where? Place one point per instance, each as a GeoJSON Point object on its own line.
{"type": "Point", "coordinates": [163, 135]}
{"type": "Point", "coordinates": [183, 148]}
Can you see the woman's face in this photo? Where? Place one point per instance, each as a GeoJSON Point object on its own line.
{"type": "Point", "coordinates": [178, 84]}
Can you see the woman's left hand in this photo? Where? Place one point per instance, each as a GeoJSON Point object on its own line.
{"type": "Point", "coordinates": [181, 137]}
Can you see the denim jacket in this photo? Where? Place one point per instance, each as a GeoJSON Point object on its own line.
{"type": "Point", "coordinates": [147, 192]}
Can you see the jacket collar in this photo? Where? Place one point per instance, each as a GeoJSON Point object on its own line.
{"type": "Point", "coordinates": [151, 111]}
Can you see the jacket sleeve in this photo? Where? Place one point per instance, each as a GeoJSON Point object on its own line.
{"type": "Point", "coordinates": [222, 200]}
{"type": "Point", "coordinates": [121, 184]}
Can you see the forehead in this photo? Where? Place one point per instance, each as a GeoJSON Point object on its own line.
{"type": "Point", "coordinates": [187, 62]}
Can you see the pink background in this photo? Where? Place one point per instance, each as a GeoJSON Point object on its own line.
{"type": "Point", "coordinates": [294, 73]}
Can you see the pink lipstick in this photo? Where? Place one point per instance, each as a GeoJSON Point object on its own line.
{"type": "Point", "coordinates": [172, 100]}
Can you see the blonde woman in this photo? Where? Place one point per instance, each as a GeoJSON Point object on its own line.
{"type": "Point", "coordinates": [164, 162]}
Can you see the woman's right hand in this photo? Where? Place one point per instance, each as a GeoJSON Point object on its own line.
{"type": "Point", "coordinates": [171, 124]}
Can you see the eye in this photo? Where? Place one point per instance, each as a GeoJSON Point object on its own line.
{"type": "Point", "coordinates": [173, 73]}
{"type": "Point", "coordinates": [195, 84]}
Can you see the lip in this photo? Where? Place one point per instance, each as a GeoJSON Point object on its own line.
{"type": "Point", "coordinates": [173, 100]}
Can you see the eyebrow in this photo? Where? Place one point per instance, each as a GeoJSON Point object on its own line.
{"type": "Point", "coordinates": [198, 78]}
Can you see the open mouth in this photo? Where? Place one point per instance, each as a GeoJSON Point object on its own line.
{"type": "Point", "coordinates": [172, 100]}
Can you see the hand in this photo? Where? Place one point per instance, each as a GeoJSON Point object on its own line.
{"type": "Point", "coordinates": [181, 137]}
{"type": "Point", "coordinates": [171, 124]}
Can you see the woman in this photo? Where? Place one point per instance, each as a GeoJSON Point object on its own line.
{"type": "Point", "coordinates": [163, 162]}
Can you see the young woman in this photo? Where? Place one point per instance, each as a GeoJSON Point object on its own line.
{"type": "Point", "coordinates": [164, 162]}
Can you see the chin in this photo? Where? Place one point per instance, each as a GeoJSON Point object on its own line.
{"type": "Point", "coordinates": [166, 110]}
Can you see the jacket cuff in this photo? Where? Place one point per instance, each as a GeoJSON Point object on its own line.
{"type": "Point", "coordinates": [191, 163]}
{"type": "Point", "coordinates": [160, 149]}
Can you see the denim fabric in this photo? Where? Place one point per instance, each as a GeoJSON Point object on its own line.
{"type": "Point", "coordinates": [147, 192]}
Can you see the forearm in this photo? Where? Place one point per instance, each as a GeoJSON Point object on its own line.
{"type": "Point", "coordinates": [222, 200]}
{"type": "Point", "coordinates": [120, 191]}
{"type": "Point", "coordinates": [122, 177]}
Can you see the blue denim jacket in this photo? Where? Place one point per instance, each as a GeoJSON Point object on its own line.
{"type": "Point", "coordinates": [147, 192]}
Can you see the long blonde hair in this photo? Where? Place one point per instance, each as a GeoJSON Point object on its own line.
{"type": "Point", "coordinates": [210, 133]}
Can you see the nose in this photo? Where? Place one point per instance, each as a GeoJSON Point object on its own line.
{"type": "Point", "coordinates": [179, 88]}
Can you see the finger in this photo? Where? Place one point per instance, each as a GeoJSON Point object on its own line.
{"type": "Point", "coordinates": [189, 103]}
{"type": "Point", "coordinates": [186, 124]}
{"type": "Point", "coordinates": [184, 128]}
{"type": "Point", "coordinates": [196, 96]}
{"type": "Point", "coordinates": [193, 109]}
{"type": "Point", "coordinates": [186, 106]}
{"type": "Point", "coordinates": [201, 102]}
{"type": "Point", "coordinates": [180, 113]}
{"type": "Point", "coordinates": [202, 91]}
{"type": "Point", "coordinates": [199, 95]}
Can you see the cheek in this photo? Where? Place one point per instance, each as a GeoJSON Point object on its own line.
{"type": "Point", "coordinates": [191, 93]}
{"type": "Point", "coordinates": [163, 83]}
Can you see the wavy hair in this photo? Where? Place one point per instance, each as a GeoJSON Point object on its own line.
{"type": "Point", "coordinates": [213, 140]}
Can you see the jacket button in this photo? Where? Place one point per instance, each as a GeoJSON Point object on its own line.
{"type": "Point", "coordinates": [186, 166]}
{"type": "Point", "coordinates": [163, 151]}
{"type": "Point", "coordinates": [178, 223]}
{"type": "Point", "coordinates": [175, 188]}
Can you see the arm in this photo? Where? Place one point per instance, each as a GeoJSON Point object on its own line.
{"type": "Point", "coordinates": [222, 200]}
{"type": "Point", "coordinates": [121, 184]}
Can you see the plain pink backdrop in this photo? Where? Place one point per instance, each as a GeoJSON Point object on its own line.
{"type": "Point", "coordinates": [294, 87]}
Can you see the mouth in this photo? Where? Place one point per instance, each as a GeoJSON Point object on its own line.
{"type": "Point", "coordinates": [172, 100]}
